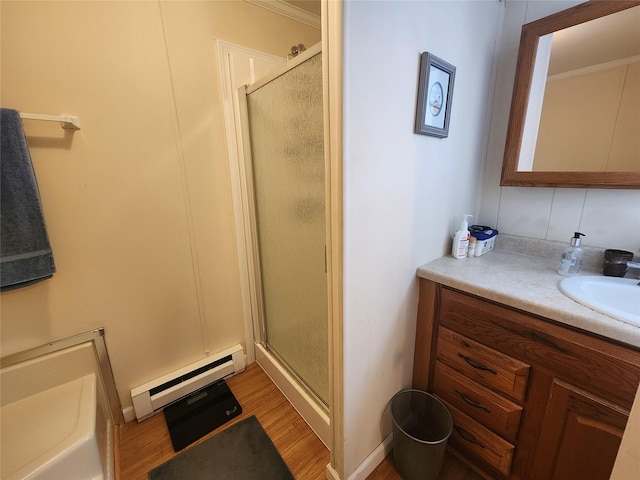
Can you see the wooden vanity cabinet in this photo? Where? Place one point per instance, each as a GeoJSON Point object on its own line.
{"type": "Point", "coordinates": [530, 398]}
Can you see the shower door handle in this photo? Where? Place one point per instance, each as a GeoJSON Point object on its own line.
{"type": "Point", "coordinates": [326, 269]}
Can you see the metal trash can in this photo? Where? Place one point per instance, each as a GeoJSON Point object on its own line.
{"type": "Point", "coordinates": [421, 427]}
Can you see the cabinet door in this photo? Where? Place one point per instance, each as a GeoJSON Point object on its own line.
{"type": "Point", "coordinates": [580, 435]}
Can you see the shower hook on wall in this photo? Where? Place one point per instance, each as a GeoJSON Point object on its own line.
{"type": "Point", "coordinates": [296, 50]}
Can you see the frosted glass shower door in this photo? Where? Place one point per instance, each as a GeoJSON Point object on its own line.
{"type": "Point", "coordinates": [287, 151]}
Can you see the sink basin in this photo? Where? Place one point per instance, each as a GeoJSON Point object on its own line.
{"type": "Point", "coordinates": [613, 296]}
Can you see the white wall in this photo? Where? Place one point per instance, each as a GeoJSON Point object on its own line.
{"type": "Point", "coordinates": [608, 218]}
{"type": "Point", "coordinates": [404, 194]}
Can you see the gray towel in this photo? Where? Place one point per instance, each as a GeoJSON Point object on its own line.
{"type": "Point", "coordinates": [25, 252]}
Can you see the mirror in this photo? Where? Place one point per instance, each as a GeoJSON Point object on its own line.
{"type": "Point", "coordinates": [543, 133]}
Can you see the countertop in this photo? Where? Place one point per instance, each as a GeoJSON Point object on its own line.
{"type": "Point", "coordinates": [528, 283]}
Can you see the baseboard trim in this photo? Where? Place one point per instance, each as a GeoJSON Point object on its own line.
{"type": "Point", "coordinates": [374, 459]}
{"type": "Point", "coordinates": [369, 464]}
{"type": "Point", "coordinates": [129, 414]}
{"type": "Point", "coordinates": [330, 473]}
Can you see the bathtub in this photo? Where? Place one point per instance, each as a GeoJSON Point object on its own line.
{"type": "Point", "coordinates": [54, 423]}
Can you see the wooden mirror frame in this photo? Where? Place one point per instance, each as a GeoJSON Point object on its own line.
{"type": "Point", "coordinates": [531, 32]}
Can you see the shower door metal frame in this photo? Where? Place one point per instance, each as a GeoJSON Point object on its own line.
{"type": "Point", "coordinates": [314, 411]}
{"type": "Point", "coordinates": [251, 234]}
{"type": "Point", "coordinates": [249, 218]}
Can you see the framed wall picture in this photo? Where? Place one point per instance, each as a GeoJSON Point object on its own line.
{"type": "Point", "coordinates": [435, 91]}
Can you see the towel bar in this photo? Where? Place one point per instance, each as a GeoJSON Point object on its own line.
{"type": "Point", "coordinates": [67, 121]}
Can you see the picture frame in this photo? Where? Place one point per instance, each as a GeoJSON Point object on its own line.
{"type": "Point", "coordinates": [435, 93]}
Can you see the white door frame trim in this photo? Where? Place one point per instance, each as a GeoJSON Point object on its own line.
{"type": "Point", "coordinates": [233, 132]}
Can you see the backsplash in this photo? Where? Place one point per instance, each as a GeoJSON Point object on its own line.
{"type": "Point", "coordinates": [609, 218]}
{"type": "Point", "coordinates": [535, 247]}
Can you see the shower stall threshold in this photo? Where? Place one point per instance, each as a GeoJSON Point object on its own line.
{"type": "Point", "coordinates": [307, 406]}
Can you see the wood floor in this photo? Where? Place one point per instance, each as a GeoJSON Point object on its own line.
{"type": "Point", "coordinates": [146, 445]}
{"type": "Point", "coordinates": [452, 469]}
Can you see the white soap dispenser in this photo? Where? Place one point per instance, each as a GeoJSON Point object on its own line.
{"type": "Point", "coordinates": [461, 239]}
{"type": "Point", "coordinates": [571, 259]}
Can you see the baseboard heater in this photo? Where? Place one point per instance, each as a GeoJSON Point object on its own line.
{"type": "Point", "coordinates": [153, 396]}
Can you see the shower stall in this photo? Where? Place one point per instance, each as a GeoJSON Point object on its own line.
{"type": "Point", "coordinates": [285, 183]}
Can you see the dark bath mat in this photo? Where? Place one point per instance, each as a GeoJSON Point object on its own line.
{"type": "Point", "coordinates": [243, 451]}
{"type": "Point", "coordinates": [201, 412]}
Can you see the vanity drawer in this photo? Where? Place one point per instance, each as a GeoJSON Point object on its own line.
{"type": "Point", "coordinates": [472, 439]}
{"type": "Point", "coordinates": [485, 365]}
{"type": "Point", "coordinates": [492, 410]}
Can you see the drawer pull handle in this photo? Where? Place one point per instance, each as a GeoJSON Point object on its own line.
{"type": "Point", "coordinates": [471, 402]}
{"type": "Point", "coordinates": [467, 436]}
{"type": "Point", "coordinates": [477, 365]}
